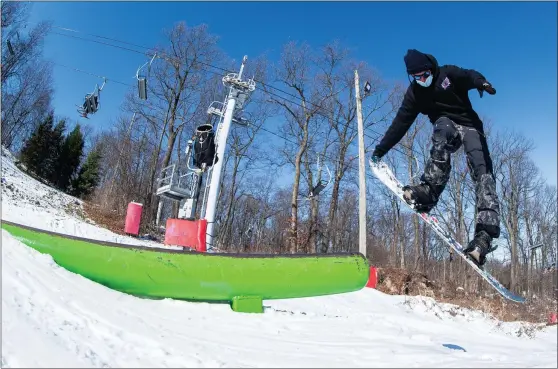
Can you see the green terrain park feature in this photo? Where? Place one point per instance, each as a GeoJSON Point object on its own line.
{"type": "Point", "coordinates": [242, 280]}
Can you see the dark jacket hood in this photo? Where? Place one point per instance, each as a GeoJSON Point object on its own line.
{"type": "Point", "coordinates": [436, 68]}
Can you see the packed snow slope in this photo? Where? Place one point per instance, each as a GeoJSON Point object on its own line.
{"type": "Point", "coordinates": [54, 318]}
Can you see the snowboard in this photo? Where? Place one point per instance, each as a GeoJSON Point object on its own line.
{"type": "Point", "coordinates": [382, 171]}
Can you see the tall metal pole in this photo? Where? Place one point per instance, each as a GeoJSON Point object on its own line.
{"type": "Point", "coordinates": [361, 172]}
{"type": "Point", "coordinates": [238, 88]}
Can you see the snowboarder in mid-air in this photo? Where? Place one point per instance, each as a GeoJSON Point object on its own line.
{"type": "Point", "coordinates": [441, 93]}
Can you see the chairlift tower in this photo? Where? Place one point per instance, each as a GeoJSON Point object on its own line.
{"type": "Point", "coordinates": [239, 91]}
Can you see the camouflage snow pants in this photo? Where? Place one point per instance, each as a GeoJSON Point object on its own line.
{"type": "Point", "coordinates": [446, 140]}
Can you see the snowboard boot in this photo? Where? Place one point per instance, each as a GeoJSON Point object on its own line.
{"type": "Point", "coordinates": [420, 197]}
{"type": "Point", "coordinates": [479, 247]}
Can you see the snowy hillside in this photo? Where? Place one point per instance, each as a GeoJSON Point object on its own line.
{"type": "Point", "coordinates": [55, 318]}
{"type": "Point", "coordinates": [29, 202]}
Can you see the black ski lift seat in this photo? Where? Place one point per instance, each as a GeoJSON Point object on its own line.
{"type": "Point", "coordinates": [321, 185]}
{"type": "Point", "coordinates": [10, 47]}
{"type": "Point", "coordinates": [205, 151]}
{"type": "Point", "coordinates": [90, 105]}
{"type": "Point", "coordinates": [91, 101]}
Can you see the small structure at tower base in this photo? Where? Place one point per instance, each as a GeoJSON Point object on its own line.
{"type": "Point", "coordinates": [189, 233]}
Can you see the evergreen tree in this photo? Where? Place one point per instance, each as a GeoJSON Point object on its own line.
{"type": "Point", "coordinates": [88, 176]}
{"type": "Point", "coordinates": [55, 142]}
{"type": "Point", "coordinates": [35, 153]}
{"type": "Point", "coordinates": [55, 157]}
{"type": "Point", "coordinates": [69, 158]}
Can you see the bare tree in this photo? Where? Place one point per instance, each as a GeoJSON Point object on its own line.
{"type": "Point", "coordinates": [540, 215]}
{"type": "Point", "coordinates": [26, 78]}
{"type": "Point", "coordinates": [242, 158]}
{"type": "Point", "coordinates": [125, 165]}
{"type": "Point", "coordinates": [26, 98]}
{"type": "Point", "coordinates": [178, 97]}
{"type": "Point", "coordinates": [19, 49]}
{"type": "Point", "coordinates": [296, 71]}
{"type": "Point", "coordinates": [518, 178]}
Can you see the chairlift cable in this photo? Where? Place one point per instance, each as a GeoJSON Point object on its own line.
{"type": "Point", "coordinates": [350, 166]}
{"type": "Point", "coordinates": [93, 74]}
{"type": "Point", "coordinates": [212, 66]}
{"type": "Point", "coordinates": [101, 42]}
{"type": "Point", "coordinates": [103, 37]}
{"type": "Point", "coordinates": [374, 139]}
{"type": "Point", "coordinates": [164, 56]}
{"type": "Point", "coordinates": [225, 70]}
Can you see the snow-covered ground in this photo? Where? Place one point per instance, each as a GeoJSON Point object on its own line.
{"type": "Point", "coordinates": [29, 202]}
{"type": "Point", "coordinates": [55, 318]}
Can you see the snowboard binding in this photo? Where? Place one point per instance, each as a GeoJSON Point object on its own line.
{"type": "Point", "coordinates": [419, 197]}
{"type": "Point", "coordinates": [478, 248]}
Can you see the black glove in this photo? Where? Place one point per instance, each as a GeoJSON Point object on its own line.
{"type": "Point", "coordinates": [484, 85]}
{"type": "Point", "coordinates": [378, 152]}
{"type": "Point", "coordinates": [375, 159]}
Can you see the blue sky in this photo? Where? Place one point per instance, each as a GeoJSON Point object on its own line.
{"type": "Point", "coordinates": [512, 43]}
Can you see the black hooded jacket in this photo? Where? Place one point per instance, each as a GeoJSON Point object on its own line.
{"type": "Point", "coordinates": [447, 96]}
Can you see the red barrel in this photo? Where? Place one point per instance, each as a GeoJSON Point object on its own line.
{"type": "Point", "coordinates": [373, 279]}
{"type": "Point", "coordinates": [133, 218]}
{"type": "Point", "coordinates": [552, 319]}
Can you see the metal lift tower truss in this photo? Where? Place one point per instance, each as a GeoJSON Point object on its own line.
{"type": "Point", "coordinates": [239, 91]}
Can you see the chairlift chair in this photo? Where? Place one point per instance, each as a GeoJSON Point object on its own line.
{"type": "Point", "coordinates": [321, 185]}
{"type": "Point", "coordinates": [142, 80]}
{"type": "Point", "coordinates": [204, 147]}
{"type": "Point", "coordinates": [9, 43]}
{"type": "Point", "coordinates": [90, 105]}
{"type": "Point", "coordinates": [10, 47]}
{"type": "Point", "coordinates": [91, 101]}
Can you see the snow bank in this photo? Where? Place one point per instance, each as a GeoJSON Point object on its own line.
{"type": "Point", "coordinates": [54, 318]}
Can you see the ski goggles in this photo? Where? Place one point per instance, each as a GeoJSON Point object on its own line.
{"type": "Point", "coordinates": [417, 77]}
